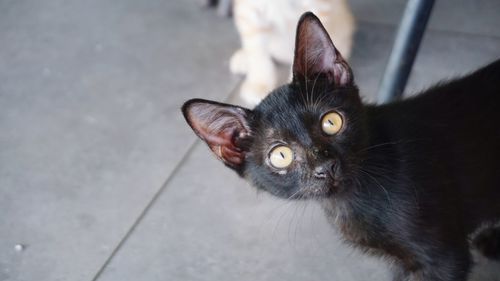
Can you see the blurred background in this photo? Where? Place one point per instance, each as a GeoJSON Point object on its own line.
{"type": "Point", "coordinates": [101, 178]}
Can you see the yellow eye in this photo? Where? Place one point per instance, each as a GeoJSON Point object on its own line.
{"type": "Point", "coordinates": [281, 157]}
{"type": "Point", "coordinates": [331, 123]}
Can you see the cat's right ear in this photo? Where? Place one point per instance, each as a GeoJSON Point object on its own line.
{"type": "Point", "coordinates": [315, 54]}
{"type": "Point", "coordinates": [224, 128]}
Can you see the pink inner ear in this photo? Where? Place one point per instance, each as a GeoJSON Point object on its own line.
{"type": "Point", "coordinates": [315, 54]}
{"type": "Point", "coordinates": [220, 126]}
{"type": "Point", "coordinates": [223, 145]}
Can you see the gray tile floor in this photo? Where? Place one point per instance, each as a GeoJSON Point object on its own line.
{"type": "Point", "coordinates": [100, 178]}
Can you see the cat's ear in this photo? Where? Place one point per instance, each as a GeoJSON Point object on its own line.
{"type": "Point", "coordinates": [315, 54]}
{"type": "Point", "coordinates": [225, 129]}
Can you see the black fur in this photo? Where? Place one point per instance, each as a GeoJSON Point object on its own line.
{"type": "Point", "coordinates": [410, 180]}
{"type": "Point", "coordinates": [488, 242]}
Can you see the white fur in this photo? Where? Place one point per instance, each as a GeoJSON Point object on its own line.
{"type": "Point", "coordinates": [267, 32]}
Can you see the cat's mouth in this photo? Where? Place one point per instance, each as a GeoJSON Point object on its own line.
{"type": "Point", "coordinates": [319, 190]}
{"type": "Point", "coordinates": [323, 183]}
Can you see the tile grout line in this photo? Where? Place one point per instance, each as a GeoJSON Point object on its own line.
{"type": "Point", "coordinates": [145, 210]}
{"type": "Point", "coordinates": [153, 200]}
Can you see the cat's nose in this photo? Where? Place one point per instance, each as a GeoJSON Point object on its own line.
{"type": "Point", "coordinates": [325, 170]}
{"type": "Point", "coordinates": [320, 172]}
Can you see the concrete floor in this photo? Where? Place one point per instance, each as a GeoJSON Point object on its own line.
{"type": "Point", "coordinates": [100, 177]}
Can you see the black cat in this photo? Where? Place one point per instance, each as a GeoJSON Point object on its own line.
{"type": "Point", "coordinates": [410, 180]}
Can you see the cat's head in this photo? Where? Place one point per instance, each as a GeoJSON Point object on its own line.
{"type": "Point", "coordinates": [301, 140]}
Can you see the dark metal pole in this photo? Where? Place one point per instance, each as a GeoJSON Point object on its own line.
{"type": "Point", "coordinates": [406, 44]}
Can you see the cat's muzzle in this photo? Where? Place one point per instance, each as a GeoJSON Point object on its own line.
{"type": "Point", "coordinates": [323, 181]}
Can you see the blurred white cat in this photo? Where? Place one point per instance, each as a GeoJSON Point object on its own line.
{"type": "Point", "coordinates": [267, 29]}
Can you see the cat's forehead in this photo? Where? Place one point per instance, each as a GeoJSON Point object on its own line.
{"type": "Point", "coordinates": [289, 104]}
{"type": "Point", "coordinates": [283, 132]}
{"type": "Point", "coordinates": [285, 115]}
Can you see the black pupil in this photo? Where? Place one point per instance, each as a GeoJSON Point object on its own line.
{"type": "Point", "coordinates": [282, 155]}
{"type": "Point", "coordinates": [330, 121]}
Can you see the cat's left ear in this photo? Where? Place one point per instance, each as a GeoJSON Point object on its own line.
{"type": "Point", "coordinates": [315, 54]}
{"type": "Point", "coordinates": [224, 128]}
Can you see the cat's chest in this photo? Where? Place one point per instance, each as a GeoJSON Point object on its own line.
{"type": "Point", "coordinates": [366, 232]}
{"type": "Point", "coordinates": [343, 218]}
{"type": "Point", "coordinates": [356, 227]}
